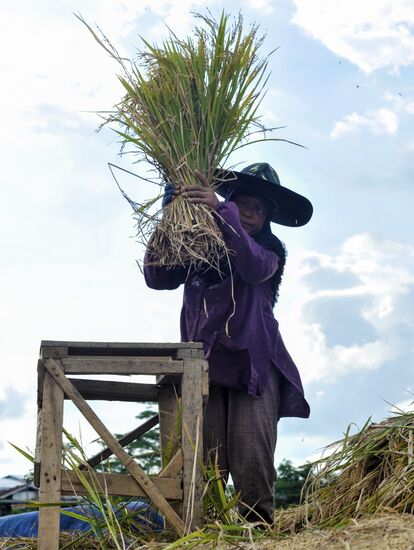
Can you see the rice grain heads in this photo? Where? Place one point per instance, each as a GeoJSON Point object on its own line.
{"type": "Point", "coordinates": [187, 106]}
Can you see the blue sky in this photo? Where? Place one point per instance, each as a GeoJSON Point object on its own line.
{"type": "Point", "coordinates": [342, 81]}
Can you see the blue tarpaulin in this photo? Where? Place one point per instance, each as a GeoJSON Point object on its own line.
{"type": "Point", "coordinates": [26, 524]}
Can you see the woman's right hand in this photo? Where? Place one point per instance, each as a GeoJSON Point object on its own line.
{"type": "Point", "coordinates": [170, 192]}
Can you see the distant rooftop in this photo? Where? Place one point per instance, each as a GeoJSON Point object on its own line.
{"type": "Point", "coordinates": [10, 481]}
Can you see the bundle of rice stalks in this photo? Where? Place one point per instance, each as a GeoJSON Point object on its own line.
{"type": "Point", "coordinates": [188, 105]}
{"type": "Point", "coordinates": [380, 532]}
{"type": "Point", "coordinates": [366, 473]}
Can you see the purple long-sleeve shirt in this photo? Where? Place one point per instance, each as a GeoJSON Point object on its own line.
{"type": "Point", "coordinates": [241, 338]}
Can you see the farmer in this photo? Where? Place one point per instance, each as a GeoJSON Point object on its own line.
{"type": "Point", "coordinates": [253, 380]}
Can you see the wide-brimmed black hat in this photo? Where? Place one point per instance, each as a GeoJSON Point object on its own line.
{"type": "Point", "coordinates": [261, 179]}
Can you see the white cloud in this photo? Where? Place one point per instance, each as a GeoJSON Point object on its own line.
{"type": "Point", "coordinates": [55, 61]}
{"type": "Point", "coordinates": [371, 34]}
{"type": "Point", "coordinates": [406, 406]}
{"type": "Point", "coordinates": [12, 402]}
{"type": "Point", "coordinates": [380, 121]}
{"type": "Point", "coordinates": [400, 103]}
{"type": "Point", "coordinates": [321, 362]}
{"type": "Point", "coordinates": [384, 120]}
{"type": "Point", "coordinates": [179, 18]}
{"type": "Point", "coordinates": [384, 273]}
{"type": "Point", "coordinates": [384, 267]}
{"type": "Point", "coordinates": [264, 6]}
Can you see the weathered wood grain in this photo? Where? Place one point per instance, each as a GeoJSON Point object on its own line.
{"type": "Point", "coordinates": [192, 444]}
{"type": "Point", "coordinates": [121, 365]}
{"type": "Point", "coordinates": [51, 460]}
{"type": "Point", "coordinates": [170, 433]}
{"type": "Point", "coordinates": [133, 468]}
{"type": "Point", "coordinates": [115, 391]}
{"type": "Point", "coordinates": [119, 484]}
{"type": "Point", "coordinates": [56, 352]}
{"type": "Point", "coordinates": [121, 345]}
{"type": "Point", "coordinates": [174, 466]}
{"type": "Point", "coordinates": [40, 379]}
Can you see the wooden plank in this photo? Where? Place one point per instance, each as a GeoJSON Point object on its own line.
{"type": "Point", "coordinates": [122, 345]}
{"type": "Point", "coordinates": [174, 467]}
{"type": "Point", "coordinates": [120, 365]}
{"type": "Point", "coordinates": [51, 461]}
{"type": "Point", "coordinates": [170, 433]}
{"type": "Point", "coordinates": [192, 442]}
{"type": "Point", "coordinates": [40, 379]}
{"type": "Point", "coordinates": [190, 352]}
{"type": "Point", "coordinates": [38, 447]}
{"type": "Point", "coordinates": [205, 381]}
{"type": "Point", "coordinates": [119, 484]}
{"type": "Point", "coordinates": [56, 352]}
{"type": "Point", "coordinates": [163, 379]}
{"type": "Point", "coordinates": [168, 412]}
{"type": "Point", "coordinates": [115, 391]}
{"type": "Point", "coordinates": [129, 463]}
{"type": "Point", "coordinates": [125, 440]}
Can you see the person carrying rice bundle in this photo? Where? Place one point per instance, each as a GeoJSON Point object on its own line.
{"type": "Point", "coordinates": [188, 106]}
{"type": "Point", "coordinates": [253, 380]}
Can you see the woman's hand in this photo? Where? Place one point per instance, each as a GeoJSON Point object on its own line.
{"type": "Point", "coordinates": [201, 194]}
{"type": "Point", "coordinates": [170, 192]}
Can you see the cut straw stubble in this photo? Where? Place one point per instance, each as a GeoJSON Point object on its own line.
{"type": "Point", "coordinates": [194, 240]}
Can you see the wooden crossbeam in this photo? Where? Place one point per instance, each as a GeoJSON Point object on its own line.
{"type": "Point", "coordinates": [118, 484]}
{"type": "Point", "coordinates": [125, 440]}
{"type": "Point", "coordinates": [174, 467]}
{"type": "Point", "coordinates": [108, 390]}
{"type": "Point", "coordinates": [134, 469]}
{"type": "Point", "coordinates": [117, 346]}
{"type": "Point", "coordinates": [122, 365]}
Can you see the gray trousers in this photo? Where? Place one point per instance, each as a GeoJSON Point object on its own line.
{"type": "Point", "coordinates": [242, 431]}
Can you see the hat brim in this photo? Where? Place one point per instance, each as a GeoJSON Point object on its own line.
{"type": "Point", "coordinates": [293, 210]}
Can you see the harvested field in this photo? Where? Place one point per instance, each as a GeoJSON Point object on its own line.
{"type": "Point", "coordinates": [392, 531]}
{"type": "Point", "coordinates": [360, 496]}
{"type": "Point", "coordinates": [381, 532]}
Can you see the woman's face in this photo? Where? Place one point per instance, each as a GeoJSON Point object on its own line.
{"type": "Point", "coordinates": [252, 211]}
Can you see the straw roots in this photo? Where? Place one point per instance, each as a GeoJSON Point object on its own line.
{"type": "Point", "coordinates": [367, 473]}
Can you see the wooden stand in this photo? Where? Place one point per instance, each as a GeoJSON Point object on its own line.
{"type": "Point", "coordinates": [180, 370]}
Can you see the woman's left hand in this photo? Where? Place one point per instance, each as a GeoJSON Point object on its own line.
{"type": "Point", "coordinates": [201, 194]}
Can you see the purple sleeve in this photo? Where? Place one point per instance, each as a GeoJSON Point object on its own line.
{"type": "Point", "coordinates": [254, 262]}
{"type": "Point", "coordinates": [161, 278]}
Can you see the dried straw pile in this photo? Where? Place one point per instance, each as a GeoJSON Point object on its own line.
{"type": "Point", "coordinates": [188, 105]}
{"type": "Point", "coordinates": [367, 473]}
{"type": "Point", "coordinates": [381, 532]}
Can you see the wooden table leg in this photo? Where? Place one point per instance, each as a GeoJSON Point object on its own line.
{"type": "Point", "coordinates": [192, 443]}
{"type": "Point", "coordinates": [51, 424]}
{"type": "Point", "coordinates": [168, 413]}
{"type": "Point", "coordinates": [169, 431]}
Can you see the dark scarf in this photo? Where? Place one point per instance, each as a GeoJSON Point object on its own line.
{"type": "Point", "coordinates": [266, 239]}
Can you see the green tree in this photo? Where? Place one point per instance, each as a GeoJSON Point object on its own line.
{"type": "Point", "coordinates": [145, 450]}
{"type": "Point", "coordinates": [289, 483]}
